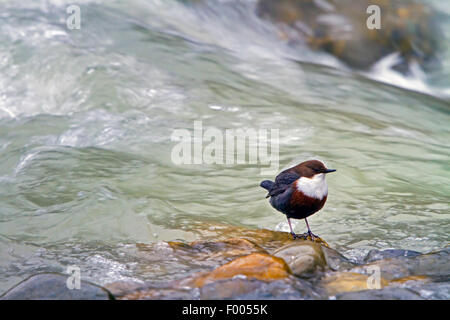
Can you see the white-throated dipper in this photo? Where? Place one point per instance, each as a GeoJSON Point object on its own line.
{"type": "Point", "coordinates": [299, 192]}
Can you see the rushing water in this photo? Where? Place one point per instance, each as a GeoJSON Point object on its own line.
{"type": "Point", "coordinates": [86, 118]}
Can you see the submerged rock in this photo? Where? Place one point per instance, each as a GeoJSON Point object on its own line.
{"type": "Point", "coordinates": [219, 250]}
{"type": "Point", "coordinates": [348, 282]}
{"type": "Point", "coordinates": [426, 291]}
{"type": "Point", "coordinates": [382, 294]}
{"type": "Point", "coordinates": [375, 255]}
{"type": "Point", "coordinates": [339, 27]}
{"type": "Point", "coordinates": [434, 265]}
{"type": "Point", "coordinates": [53, 286]}
{"type": "Point", "coordinates": [122, 288]}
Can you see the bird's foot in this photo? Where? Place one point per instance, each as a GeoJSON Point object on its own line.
{"type": "Point", "coordinates": [299, 236]}
{"type": "Point", "coordinates": [312, 236]}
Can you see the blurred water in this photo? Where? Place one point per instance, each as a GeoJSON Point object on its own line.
{"type": "Point", "coordinates": [86, 118]}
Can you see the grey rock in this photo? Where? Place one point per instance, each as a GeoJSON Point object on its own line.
{"type": "Point", "coordinates": [303, 257]}
{"type": "Point", "coordinates": [53, 286]}
{"type": "Point", "coordinates": [375, 255]}
{"type": "Point", "coordinates": [381, 294]}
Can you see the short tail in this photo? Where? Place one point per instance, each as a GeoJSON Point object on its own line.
{"type": "Point", "coordinates": [267, 184]}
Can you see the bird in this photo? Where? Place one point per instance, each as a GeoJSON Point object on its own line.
{"type": "Point", "coordinates": [299, 192]}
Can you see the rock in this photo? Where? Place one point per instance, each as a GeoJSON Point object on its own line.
{"type": "Point", "coordinates": [302, 257]}
{"type": "Point", "coordinates": [122, 288]}
{"type": "Point", "coordinates": [219, 250]}
{"type": "Point", "coordinates": [418, 291]}
{"type": "Point", "coordinates": [336, 261]}
{"type": "Point", "coordinates": [233, 288]}
{"type": "Point", "coordinates": [266, 239]}
{"type": "Point", "coordinates": [53, 286]}
{"type": "Point", "coordinates": [383, 294]}
{"type": "Point", "coordinates": [410, 279]}
{"type": "Point", "coordinates": [339, 27]}
{"type": "Point", "coordinates": [375, 255]}
{"type": "Point", "coordinates": [158, 293]}
{"type": "Point", "coordinates": [256, 265]}
{"type": "Point", "coordinates": [306, 258]}
{"type": "Point", "coordinates": [253, 289]}
{"type": "Point", "coordinates": [347, 281]}
{"type": "Point", "coordinates": [434, 265]}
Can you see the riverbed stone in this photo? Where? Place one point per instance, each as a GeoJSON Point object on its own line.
{"type": "Point", "coordinates": [374, 254]}
{"type": "Point", "coordinates": [307, 257]}
{"type": "Point", "coordinates": [122, 288]}
{"type": "Point", "coordinates": [53, 286]}
{"type": "Point", "coordinates": [417, 291]}
{"type": "Point", "coordinates": [434, 265]}
{"type": "Point", "coordinates": [255, 266]}
{"type": "Point", "coordinates": [302, 257]}
{"type": "Point", "coordinates": [347, 281]}
{"type": "Point", "coordinates": [220, 249]}
{"type": "Point", "coordinates": [382, 294]}
{"type": "Point", "coordinates": [340, 28]}
{"type": "Point", "coordinates": [254, 289]}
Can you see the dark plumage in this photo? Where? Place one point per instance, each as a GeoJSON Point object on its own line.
{"type": "Point", "coordinates": [300, 191]}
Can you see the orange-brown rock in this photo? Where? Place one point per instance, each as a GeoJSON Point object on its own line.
{"type": "Point", "coordinates": [347, 281]}
{"type": "Point", "coordinates": [256, 265]}
{"type": "Point", "coordinates": [233, 247]}
{"type": "Point", "coordinates": [411, 278]}
{"type": "Point", "coordinates": [216, 232]}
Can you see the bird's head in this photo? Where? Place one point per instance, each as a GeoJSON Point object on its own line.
{"type": "Point", "coordinates": [313, 169]}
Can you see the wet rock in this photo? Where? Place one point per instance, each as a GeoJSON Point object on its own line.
{"type": "Point", "coordinates": [219, 250]}
{"type": "Point", "coordinates": [253, 289]}
{"type": "Point", "coordinates": [158, 293]}
{"type": "Point", "coordinates": [375, 255]}
{"type": "Point", "coordinates": [233, 288]}
{"type": "Point", "coordinates": [339, 27]}
{"type": "Point", "coordinates": [53, 286]}
{"type": "Point", "coordinates": [433, 291]}
{"type": "Point", "coordinates": [336, 261]}
{"type": "Point", "coordinates": [266, 239]}
{"type": "Point", "coordinates": [418, 291]}
{"type": "Point", "coordinates": [382, 294]}
{"type": "Point", "coordinates": [347, 281]}
{"type": "Point", "coordinates": [256, 265]}
{"type": "Point", "coordinates": [306, 258]}
{"type": "Point", "coordinates": [302, 257]}
{"type": "Point", "coordinates": [122, 288]}
{"type": "Point", "coordinates": [434, 265]}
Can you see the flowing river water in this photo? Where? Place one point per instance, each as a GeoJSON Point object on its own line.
{"type": "Point", "coordinates": [87, 116]}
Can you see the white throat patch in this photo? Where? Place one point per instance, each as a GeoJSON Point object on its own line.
{"type": "Point", "coordinates": [316, 187]}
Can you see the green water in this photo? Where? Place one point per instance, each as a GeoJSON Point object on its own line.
{"type": "Point", "coordinates": [86, 118]}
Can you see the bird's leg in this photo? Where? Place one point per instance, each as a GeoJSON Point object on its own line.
{"type": "Point", "coordinates": [312, 235]}
{"type": "Point", "coordinates": [292, 231]}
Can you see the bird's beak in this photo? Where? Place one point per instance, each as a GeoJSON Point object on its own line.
{"type": "Point", "coordinates": [330, 170]}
